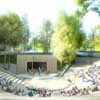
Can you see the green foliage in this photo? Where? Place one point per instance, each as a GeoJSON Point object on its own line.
{"type": "Point", "coordinates": [27, 33]}
{"type": "Point", "coordinates": [92, 42]}
{"type": "Point", "coordinates": [60, 65]}
{"type": "Point", "coordinates": [5, 59]}
{"type": "Point", "coordinates": [86, 5]}
{"type": "Point", "coordinates": [80, 2]}
{"type": "Point", "coordinates": [96, 38]}
{"type": "Point", "coordinates": [86, 44]}
{"type": "Point", "coordinates": [11, 30]}
{"type": "Point", "coordinates": [67, 38]}
{"type": "Point", "coordinates": [83, 6]}
{"type": "Point", "coordinates": [37, 43]}
{"type": "Point", "coordinates": [42, 41]}
{"type": "Point", "coordinates": [97, 42]}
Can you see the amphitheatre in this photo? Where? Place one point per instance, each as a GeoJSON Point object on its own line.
{"type": "Point", "coordinates": [81, 80]}
{"type": "Point", "coordinates": [49, 49]}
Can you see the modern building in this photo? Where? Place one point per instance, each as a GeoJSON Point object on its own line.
{"type": "Point", "coordinates": [35, 62]}
{"type": "Point", "coordinates": [29, 62]}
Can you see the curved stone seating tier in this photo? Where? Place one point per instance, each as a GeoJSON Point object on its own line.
{"type": "Point", "coordinates": [9, 82]}
{"type": "Point", "coordinates": [17, 85]}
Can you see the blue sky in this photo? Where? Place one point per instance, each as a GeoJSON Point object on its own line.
{"type": "Point", "coordinates": [37, 10]}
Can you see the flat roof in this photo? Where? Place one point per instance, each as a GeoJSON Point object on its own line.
{"type": "Point", "coordinates": [23, 53]}
{"type": "Point", "coordinates": [81, 53]}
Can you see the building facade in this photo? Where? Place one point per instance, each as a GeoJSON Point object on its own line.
{"type": "Point", "coordinates": [34, 63]}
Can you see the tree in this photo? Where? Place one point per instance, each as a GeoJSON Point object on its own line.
{"type": "Point", "coordinates": [92, 42]}
{"type": "Point", "coordinates": [11, 31]}
{"type": "Point", "coordinates": [86, 5]}
{"type": "Point", "coordinates": [36, 43]}
{"type": "Point", "coordinates": [95, 37]}
{"type": "Point", "coordinates": [97, 42]}
{"type": "Point", "coordinates": [86, 44]}
{"type": "Point", "coordinates": [26, 32]}
{"type": "Point", "coordinates": [42, 41]}
{"type": "Point", "coordinates": [67, 38]}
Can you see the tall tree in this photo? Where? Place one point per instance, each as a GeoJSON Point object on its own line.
{"type": "Point", "coordinates": [67, 38]}
{"type": "Point", "coordinates": [42, 40]}
{"type": "Point", "coordinates": [84, 7]}
{"type": "Point", "coordinates": [26, 32]}
{"type": "Point", "coordinates": [11, 31]}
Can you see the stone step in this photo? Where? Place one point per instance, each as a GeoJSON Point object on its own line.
{"type": "Point", "coordinates": [15, 80]}
{"type": "Point", "coordinates": [10, 77]}
{"type": "Point", "coordinates": [6, 76]}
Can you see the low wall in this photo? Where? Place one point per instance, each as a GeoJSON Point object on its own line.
{"type": "Point", "coordinates": [9, 67]}
{"type": "Point", "coordinates": [87, 60]}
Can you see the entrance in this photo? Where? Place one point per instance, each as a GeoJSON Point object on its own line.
{"type": "Point", "coordinates": [37, 66]}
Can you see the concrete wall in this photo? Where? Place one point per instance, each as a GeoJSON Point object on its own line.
{"type": "Point", "coordinates": [96, 54]}
{"type": "Point", "coordinates": [87, 60]}
{"type": "Point", "coordinates": [10, 67]}
{"type": "Point", "coordinates": [23, 59]}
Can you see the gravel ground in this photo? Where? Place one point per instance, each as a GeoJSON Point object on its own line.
{"type": "Point", "coordinates": [8, 96]}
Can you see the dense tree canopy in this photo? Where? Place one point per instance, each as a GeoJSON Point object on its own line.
{"type": "Point", "coordinates": [11, 30]}
{"type": "Point", "coordinates": [67, 38]}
